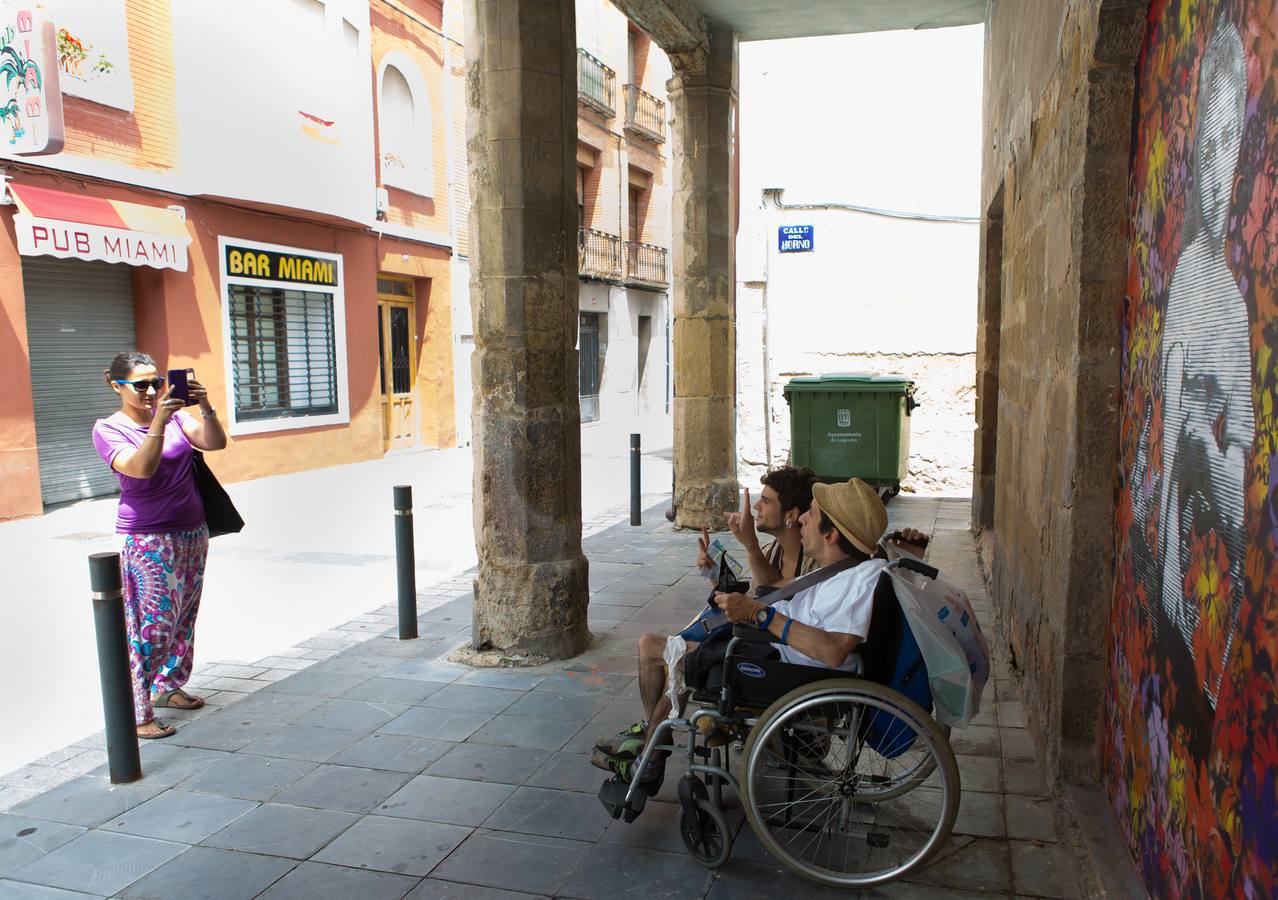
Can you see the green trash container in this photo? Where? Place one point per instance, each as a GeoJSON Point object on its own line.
{"type": "Point", "coordinates": [852, 426]}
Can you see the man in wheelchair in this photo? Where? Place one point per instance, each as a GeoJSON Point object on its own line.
{"type": "Point", "coordinates": [820, 625]}
{"type": "Point", "coordinates": [842, 773]}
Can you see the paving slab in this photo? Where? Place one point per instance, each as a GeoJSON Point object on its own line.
{"type": "Point", "coordinates": [551, 813]}
{"type": "Point", "coordinates": [526, 731]}
{"type": "Point", "coordinates": [306, 742]}
{"type": "Point", "coordinates": [439, 724]}
{"type": "Point", "coordinates": [627, 872]}
{"type": "Point", "coordinates": [394, 752]}
{"type": "Point", "coordinates": [472, 697]}
{"type": "Point", "coordinates": [387, 844]}
{"type": "Point", "coordinates": [202, 873]}
{"type": "Point", "coordinates": [483, 762]}
{"type": "Point", "coordinates": [24, 839]}
{"type": "Point", "coordinates": [248, 777]}
{"type": "Point", "coordinates": [352, 715]}
{"type": "Point", "coordinates": [278, 830]}
{"type": "Point", "coordinates": [450, 801]}
{"type": "Point", "coordinates": [98, 862]}
{"type": "Point", "coordinates": [320, 881]}
{"type": "Point", "coordinates": [393, 690]}
{"type": "Point", "coordinates": [530, 863]}
{"type": "Point", "coordinates": [345, 788]}
{"type": "Point", "coordinates": [17, 890]}
{"type": "Point", "coordinates": [181, 816]}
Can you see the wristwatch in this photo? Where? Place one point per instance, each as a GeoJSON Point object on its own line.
{"type": "Point", "coordinates": [763, 617]}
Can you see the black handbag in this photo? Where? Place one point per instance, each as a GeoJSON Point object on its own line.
{"type": "Point", "coordinates": [219, 511]}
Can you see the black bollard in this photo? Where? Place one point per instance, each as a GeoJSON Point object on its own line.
{"type": "Point", "coordinates": [636, 517]}
{"type": "Point", "coordinates": [123, 760]}
{"type": "Point", "coordinates": [405, 562]}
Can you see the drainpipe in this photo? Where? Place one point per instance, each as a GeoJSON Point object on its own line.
{"type": "Point", "coordinates": [767, 365]}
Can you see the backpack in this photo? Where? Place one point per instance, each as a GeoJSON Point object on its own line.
{"type": "Point", "coordinates": [891, 657]}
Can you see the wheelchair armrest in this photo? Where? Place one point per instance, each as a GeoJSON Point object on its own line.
{"type": "Point", "coordinates": [752, 634]}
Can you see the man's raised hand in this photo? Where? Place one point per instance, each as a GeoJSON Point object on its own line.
{"type": "Point", "coordinates": [741, 524]}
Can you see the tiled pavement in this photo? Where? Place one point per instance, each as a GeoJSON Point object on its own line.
{"type": "Point", "coordinates": [365, 766]}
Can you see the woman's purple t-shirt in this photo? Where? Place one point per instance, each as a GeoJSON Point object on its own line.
{"type": "Point", "coordinates": [168, 500]}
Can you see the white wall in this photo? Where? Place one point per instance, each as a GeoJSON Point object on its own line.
{"type": "Point", "coordinates": [890, 121]}
{"type": "Point", "coordinates": [244, 70]}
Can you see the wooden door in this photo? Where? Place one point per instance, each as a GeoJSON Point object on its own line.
{"type": "Point", "coordinates": [397, 347]}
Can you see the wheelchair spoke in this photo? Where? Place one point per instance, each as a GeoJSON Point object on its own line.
{"type": "Point", "coordinates": [850, 787]}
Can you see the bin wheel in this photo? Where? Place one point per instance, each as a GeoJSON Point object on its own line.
{"type": "Point", "coordinates": [887, 492]}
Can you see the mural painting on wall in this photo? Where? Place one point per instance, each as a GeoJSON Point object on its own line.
{"type": "Point", "coordinates": [1193, 703]}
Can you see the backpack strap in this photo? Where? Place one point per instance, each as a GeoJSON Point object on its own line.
{"type": "Point", "coordinates": [812, 578]}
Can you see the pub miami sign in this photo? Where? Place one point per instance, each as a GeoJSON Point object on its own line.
{"type": "Point", "coordinates": [30, 95]}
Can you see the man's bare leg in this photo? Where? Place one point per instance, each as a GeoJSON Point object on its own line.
{"type": "Point", "coordinates": [652, 677]}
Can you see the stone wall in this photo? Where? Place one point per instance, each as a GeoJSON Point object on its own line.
{"type": "Point", "coordinates": [1059, 81]}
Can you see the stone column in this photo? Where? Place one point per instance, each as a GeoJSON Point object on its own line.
{"type": "Point", "coordinates": [521, 138]}
{"type": "Point", "coordinates": [703, 97]}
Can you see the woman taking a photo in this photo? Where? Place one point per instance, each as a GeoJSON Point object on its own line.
{"type": "Point", "coordinates": [149, 444]}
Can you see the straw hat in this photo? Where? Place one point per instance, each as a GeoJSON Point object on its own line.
{"type": "Point", "coordinates": [856, 510]}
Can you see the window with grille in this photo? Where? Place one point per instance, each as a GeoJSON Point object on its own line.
{"type": "Point", "coordinates": [283, 352]}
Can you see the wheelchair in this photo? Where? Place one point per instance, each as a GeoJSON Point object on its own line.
{"type": "Point", "coordinates": [845, 781]}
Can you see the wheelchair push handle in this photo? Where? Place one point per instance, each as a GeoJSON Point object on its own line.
{"type": "Point", "coordinates": [915, 566]}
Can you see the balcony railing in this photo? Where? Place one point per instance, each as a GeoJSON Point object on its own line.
{"type": "Point", "coordinates": [596, 83]}
{"type": "Point", "coordinates": [598, 254]}
{"type": "Point", "coordinates": [645, 114]}
{"type": "Point", "coordinates": [646, 265]}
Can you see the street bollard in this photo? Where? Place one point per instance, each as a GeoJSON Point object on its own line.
{"type": "Point", "coordinates": [123, 760]}
{"type": "Point", "coordinates": [636, 517]}
{"type": "Point", "coordinates": [405, 562]}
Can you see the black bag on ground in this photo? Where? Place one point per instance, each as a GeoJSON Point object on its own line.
{"type": "Point", "coordinates": [219, 511]}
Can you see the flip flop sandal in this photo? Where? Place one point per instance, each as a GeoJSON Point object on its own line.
{"type": "Point", "coordinates": [165, 731]}
{"type": "Point", "coordinates": [165, 700]}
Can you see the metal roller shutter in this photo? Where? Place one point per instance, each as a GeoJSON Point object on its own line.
{"type": "Point", "coordinates": [79, 315]}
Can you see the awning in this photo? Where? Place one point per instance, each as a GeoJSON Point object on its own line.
{"type": "Point", "coordinates": [79, 226]}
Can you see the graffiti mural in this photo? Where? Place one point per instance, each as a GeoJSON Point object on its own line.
{"type": "Point", "coordinates": [1192, 755]}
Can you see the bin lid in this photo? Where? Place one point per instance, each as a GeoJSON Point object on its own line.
{"type": "Point", "coordinates": [849, 381]}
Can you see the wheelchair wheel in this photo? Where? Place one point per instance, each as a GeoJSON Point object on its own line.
{"type": "Point", "coordinates": [715, 845]}
{"type": "Point", "coordinates": [849, 783]}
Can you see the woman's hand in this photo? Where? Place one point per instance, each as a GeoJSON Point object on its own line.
{"type": "Point", "coordinates": [198, 394]}
{"type": "Point", "coordinates": [165, 407]}
{"type": "Point", "coordinates": [703, 548]}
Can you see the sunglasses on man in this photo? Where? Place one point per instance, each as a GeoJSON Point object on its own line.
{"type": "Point", "coordinates": [142, 385]}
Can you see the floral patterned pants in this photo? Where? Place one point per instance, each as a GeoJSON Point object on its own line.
{"type": "Point", "coordinates": [163, 578]}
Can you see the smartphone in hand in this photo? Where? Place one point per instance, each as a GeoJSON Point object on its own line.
{"type": "Point", "coordinates": [179, 380]}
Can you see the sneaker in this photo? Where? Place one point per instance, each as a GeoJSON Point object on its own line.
{"type": "Point", "coordinates": [612, 744]}
{"type": "Point", "coordinates": [625, 767]}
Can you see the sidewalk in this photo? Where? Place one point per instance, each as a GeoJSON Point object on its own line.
{"type": "Point", "coordinates": [316, 553]}
{"type": "Point", "coordinates": [385, 771]}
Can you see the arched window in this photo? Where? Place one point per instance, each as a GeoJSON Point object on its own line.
{"type": "Point", "coordinates": [404, 130]}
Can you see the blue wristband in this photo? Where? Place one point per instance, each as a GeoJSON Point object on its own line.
{"type": "Point", "coordinates": [786, 631]}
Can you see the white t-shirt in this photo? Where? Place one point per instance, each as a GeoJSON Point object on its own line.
{"type": "Point", "coordinates": [842, 604]}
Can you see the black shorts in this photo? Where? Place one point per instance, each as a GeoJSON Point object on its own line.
{"type": "Point", "coordinates": [703, 666]}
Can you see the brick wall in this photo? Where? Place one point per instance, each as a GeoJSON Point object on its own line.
{"type": "Point", "coordinates": [147, 137]}
{"type": "Point", "coordinates": [415, 28]}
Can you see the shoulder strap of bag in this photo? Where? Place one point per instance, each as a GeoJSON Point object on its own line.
{"type": "Point", "coordinates": [800, 584]}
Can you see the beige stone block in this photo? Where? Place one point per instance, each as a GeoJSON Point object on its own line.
{"type": "Point", "coordinates": [704, 357]}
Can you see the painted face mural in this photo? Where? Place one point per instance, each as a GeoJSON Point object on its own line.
{"type": "Point", "coordinates": [1193, 703]}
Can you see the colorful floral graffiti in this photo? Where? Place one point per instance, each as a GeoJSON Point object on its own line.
{"type": "Point", "coordinates": [1192, 761]}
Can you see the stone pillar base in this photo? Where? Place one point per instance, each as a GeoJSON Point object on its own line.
{"type": "Point", "coordinates": [532, 609]}
{"type": "Point", "coordinates": [706, 504]}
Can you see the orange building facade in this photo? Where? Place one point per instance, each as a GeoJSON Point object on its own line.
{"type": "Point", "coordinates": [297, 232]}
{"type": "Point", "coordinates": [310, 285]}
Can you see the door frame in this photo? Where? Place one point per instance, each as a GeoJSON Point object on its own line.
{"type": "Point", "coordinates": [385, 302]}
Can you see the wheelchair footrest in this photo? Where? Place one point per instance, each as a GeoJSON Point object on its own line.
{"type": "Point", "coordinates": [612, 794]}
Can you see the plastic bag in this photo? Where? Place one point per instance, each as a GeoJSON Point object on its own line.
{"type": "Point", "coordinates": [950, 638]}
{"type": "Point", "coordinates": [676, 647]}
